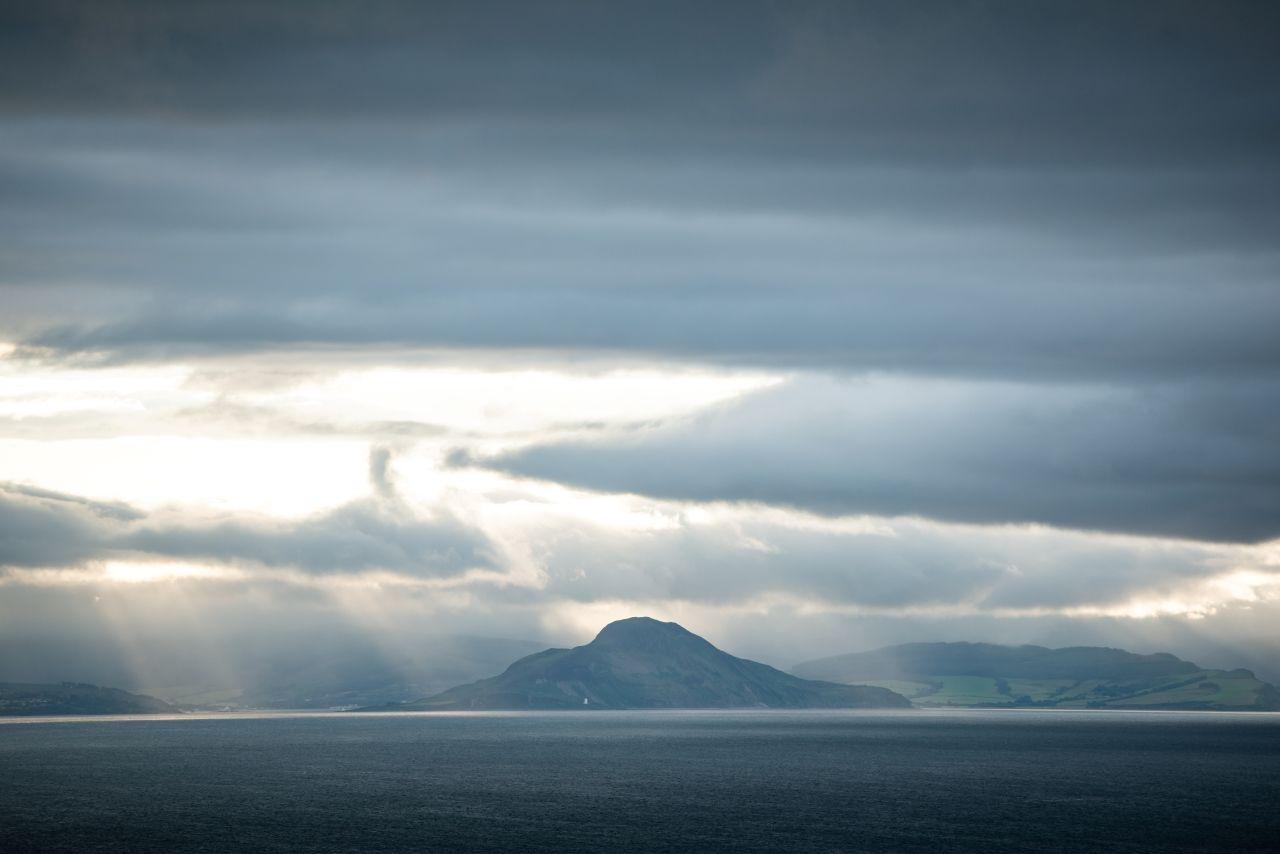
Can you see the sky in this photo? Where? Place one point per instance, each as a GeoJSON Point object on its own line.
{"type": "Point", "coordinates": [812, 326]}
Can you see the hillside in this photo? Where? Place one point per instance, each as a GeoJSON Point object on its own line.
{"type": "Point", "coordinates": [640, 663]}
{"type": "Point", "coordinates": [74, 698]}
{"type": "Point", "coordinates": [991, 675]}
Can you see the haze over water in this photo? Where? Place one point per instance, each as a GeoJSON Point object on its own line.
{"type": "Point", "coordinates": [650, 781]}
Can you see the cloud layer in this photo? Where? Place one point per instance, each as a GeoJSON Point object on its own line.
{"type": "Point", "coordinates": [1010, 269]}
{"type": "Point", "coordinates": [1177, 461]}
{"type": "Point", "coordinates": [45, 529]}
{"type": "Point", "coordinates": [946, 188]}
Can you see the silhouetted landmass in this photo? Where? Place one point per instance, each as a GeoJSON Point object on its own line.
{"type": "Point", "coordinates": [76, 698]}
{"type": "Point", "coordinates": [640, 663]}
{"type": "Point", "coordinates": [991, 675]}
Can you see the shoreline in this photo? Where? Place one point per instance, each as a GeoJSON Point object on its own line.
{"type": "Point", "coordinates": [288, 714]}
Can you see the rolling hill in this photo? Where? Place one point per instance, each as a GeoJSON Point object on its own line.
{"type": "Point", "coordinates": [991, 675]}
{"type": "Point", "coordinates": [76, 698]}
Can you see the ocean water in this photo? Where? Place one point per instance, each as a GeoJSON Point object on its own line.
{"type": "Point", "coordinates": [645, 781]}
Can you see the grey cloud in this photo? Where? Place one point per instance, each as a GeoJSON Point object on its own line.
{"type": "Point", "coordinates": [1174, 325]}
{"type": "Point", "coordinates": [40, 528]}
{"type": "Point", "coordinates": [905, 566]}
{"type": "Point", "coordinates": [380, 475]}
{"type": "Point", "coordinates": [103, 509]}
{"type": "Point", "coordinates": [1000, 78]}
{"type": "Point", "coordinates": [720, 565]}
{"type": "Point", "coordinates": [1191, 460]}
{"type": "Point", "coordinates": [1001, 190]}
{"type": "Point", "coordinates": [732, 561]}
{"type": "Point", "coordinates": [1082, 199]}
{"type": "Point", "coordinates": [901, 579]}
{"type": "Point", "coordinates": [354, 538]}
{"type": "Point", "coordinates": [908, 566]}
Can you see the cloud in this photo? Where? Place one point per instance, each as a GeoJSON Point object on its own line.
{"type": "Point", "coordinates": [1194, 460]}
{"type": "Point", "coordinates": [1050, 236]}
{"type": "Point", "coordinates": [380, 476]}
{"type": "Point", "coordinates": [730, 560]}
{"type": "Point", "coordinates": [541, 554]}
{"type": "Point", "coordinates": [946, 189]}
{"type": "Point", "coordinates": [821, 68]}
{"type": "Point", "coordinates": [779, 586]}
{"type": "Point", "coordinates": [40, 528]}
{"type": "Point", "coordinates": [44, 529]}
{"type": "Point", "coordinates": [103, 509]}
{"type": "Point", "coordinates": [902, 566]}
{"type": "Point", "coordinates": [357, 537]}
{"type": "Point", "coordinates": [774, 583]}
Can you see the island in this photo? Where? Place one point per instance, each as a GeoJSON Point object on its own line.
{"type": "Point", "coordinates": [983, 675]}
{"type": "Point", "coordinates": [641, 663]}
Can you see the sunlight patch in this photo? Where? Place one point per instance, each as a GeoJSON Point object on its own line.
{"type": "Point", "coordinates": [130, 572]}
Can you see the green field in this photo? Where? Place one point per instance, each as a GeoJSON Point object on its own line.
{"type": "Point", "coordinates": [1202, 689]}
{"type": "Point", "coordinates": [1217, 688]}
{"type": "Point", "coordinates": [194, 695]}
{"type": "Point", "coordinates": [910, 690]}
{"type": "Point", "coordinates": [985, 675]}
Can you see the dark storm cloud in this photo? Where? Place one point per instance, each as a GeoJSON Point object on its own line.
{"type": "Point", "coordinates": [45, 529]}
{"type": "Point", "coordinates": [1032, 78]}
{"type": "Point", "coordinates": [1000, 189]}
{"type": "Point", "coordinates": [1196, 460]}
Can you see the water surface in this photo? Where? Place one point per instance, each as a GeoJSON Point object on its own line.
{"type": "Point", "coordinates": [644, 781]}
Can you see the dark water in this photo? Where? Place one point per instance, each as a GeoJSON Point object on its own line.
{"type": "Point", "coordinates": [646, 781]}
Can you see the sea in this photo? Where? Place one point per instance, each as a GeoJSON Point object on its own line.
{"type": "Point", "coordinates": [696, 781]}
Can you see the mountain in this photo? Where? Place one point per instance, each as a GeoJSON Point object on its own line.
{"type": "Point", "coordinates": [640, 663]}
{"type": "Point", "coordinates": [990, 675]}
{"type": "Point", "coordinates": [76, 698]}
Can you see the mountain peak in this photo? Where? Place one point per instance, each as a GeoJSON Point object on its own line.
{"type": "Point", "coordinates": [643, 631]}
